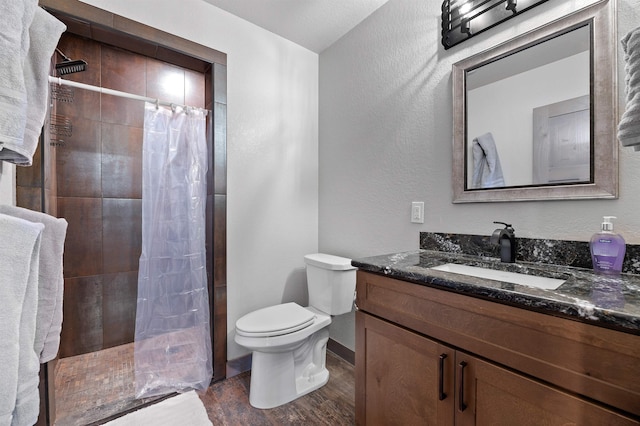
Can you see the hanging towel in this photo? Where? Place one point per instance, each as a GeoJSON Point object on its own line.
{"type": "Point", "coordinates": [629, 127]}
{"type": "Point", "coordinates": [51, 280]}
{"type": "Point", "coordinates": [487, 172]}
{"type": "Point", "coordinates": [19, 364]}
{"type": "Point", "coordinates": [14, 45]}
{"type": "Point", "coordinates": [43, 34]}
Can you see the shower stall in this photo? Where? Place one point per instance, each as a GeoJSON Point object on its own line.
{"type": "Point", "coordinates": [90, 173]}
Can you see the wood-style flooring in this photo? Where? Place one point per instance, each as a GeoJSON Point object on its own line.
{"type": "Point", "coordinates": [97, 386]}
{"type": "Point", "coordinates": [227, 402]}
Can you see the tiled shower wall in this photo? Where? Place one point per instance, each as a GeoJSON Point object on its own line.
{"type": "Point", "coordinates": [99, 187]}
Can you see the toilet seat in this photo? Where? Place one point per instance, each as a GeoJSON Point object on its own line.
{"type": "Point", "coordinates": [275, 320]}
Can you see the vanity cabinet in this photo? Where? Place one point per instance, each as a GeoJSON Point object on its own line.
{"type": "Point", "coordinates": [398, 376]}
{"type": "Point", "coordinates": [428, 356]}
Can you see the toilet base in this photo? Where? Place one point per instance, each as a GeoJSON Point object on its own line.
{"type": "Point", "coordinates": [278, 378]}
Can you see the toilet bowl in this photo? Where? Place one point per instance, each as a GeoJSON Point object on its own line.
{"type": "Point", "coordinates": [289, 342]}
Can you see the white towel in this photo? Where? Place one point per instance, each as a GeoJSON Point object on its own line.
{"type": "Point", "coordinates": [629, 127]}
{"type": "Point", "coordinates": [43, 34]}
{"type": "Point", "coordinates": [51, 279]}
{"type": "Point", "coordinates": [14, 45]}
{"type": "Point", "coordinates": [487, 172]}
{"type": "Point", "coordinates": [19, 365]}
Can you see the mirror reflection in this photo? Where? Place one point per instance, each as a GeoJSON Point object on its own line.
{"type": "Point", "coordinates": [528, 116]}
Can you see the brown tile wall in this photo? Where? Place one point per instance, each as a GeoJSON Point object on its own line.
{"type": "Point", "coordinates": [216, 101]}
{"type": "Point", "coordinates": [29, 184]}
{"type": "Point", "coordinates": [99, 188]}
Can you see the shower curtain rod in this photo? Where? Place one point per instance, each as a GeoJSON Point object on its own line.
{"type": "Point", "coordinates": [158, 102]}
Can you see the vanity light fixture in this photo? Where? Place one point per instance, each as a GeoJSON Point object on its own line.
{"type": "Point", "coordinates": [465, 26]}
{"type": "Point", "coordinates": [458, 16]}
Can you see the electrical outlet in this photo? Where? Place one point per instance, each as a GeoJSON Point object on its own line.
{"type": "Point", "coordinates": [417, 212]}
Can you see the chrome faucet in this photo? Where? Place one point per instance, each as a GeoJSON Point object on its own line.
{"type": "Point", "coordinates": [506, 239]}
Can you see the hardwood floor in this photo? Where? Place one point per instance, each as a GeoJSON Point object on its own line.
{"type": "Point", "coordinates": [92, 388]}
{"type": "Point", "coordinates": [227, 402]}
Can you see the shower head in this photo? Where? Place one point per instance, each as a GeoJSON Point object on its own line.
{"type": "Point", "coordinates": [67, 66]}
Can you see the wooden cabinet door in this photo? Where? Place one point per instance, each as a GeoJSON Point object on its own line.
{"type": "Point", "coordinates": [401, 378]}
{"type": "Point", "coordinates": [494, 396]}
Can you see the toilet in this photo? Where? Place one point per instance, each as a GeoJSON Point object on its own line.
{"type": "Point", "coordinates": [289, 342]}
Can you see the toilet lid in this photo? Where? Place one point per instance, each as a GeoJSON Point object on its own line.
{"type": "Point", "coordinates": [275, 320]}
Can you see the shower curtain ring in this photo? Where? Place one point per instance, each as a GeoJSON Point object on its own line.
{"type": "Point", "coordinates": [157, 103]}
{"type": "Point", "coordinates": [173, 107]}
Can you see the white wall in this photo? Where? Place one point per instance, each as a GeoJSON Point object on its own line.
{"type": "Point", "coordinates": [386, 137]}
{"type": "Point", "coordinates": [272, 149]}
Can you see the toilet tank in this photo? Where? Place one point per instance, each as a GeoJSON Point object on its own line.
{"type": "Point", "coordinates": [331, 281]}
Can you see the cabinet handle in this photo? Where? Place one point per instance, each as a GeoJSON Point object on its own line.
{"type": "Point", "coordinates": [441, 393]}
{"type": "Point", "coordinates": [461, 405]}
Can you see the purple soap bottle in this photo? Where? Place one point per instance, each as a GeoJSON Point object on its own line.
{"type": "Point", "coordinates": [607, 249]}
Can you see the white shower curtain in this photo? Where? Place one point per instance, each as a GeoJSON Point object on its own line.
{"type": "Point", "coordinates": [172, 339]}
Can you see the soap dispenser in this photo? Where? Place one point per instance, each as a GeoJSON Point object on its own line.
{"type": "Point", "coordinates": [607, 249]}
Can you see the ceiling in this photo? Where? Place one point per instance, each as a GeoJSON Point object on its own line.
{"type": "Point", "coordinates": [314, 24]}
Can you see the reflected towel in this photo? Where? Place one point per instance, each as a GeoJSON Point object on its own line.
{"type": "Point", "coordinates": [44, 33]}
{"type": "Point", "coordinates": [51, 280]}
{"type": "Point", "coordinates": [19, 263]}
{"type": "Point", "coordinates": [629, 127]}
{"type": "Point", "coordinates": [487, 172]}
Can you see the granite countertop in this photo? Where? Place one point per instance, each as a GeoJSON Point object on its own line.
{"type": "Point", "coordinates": [612, 302]}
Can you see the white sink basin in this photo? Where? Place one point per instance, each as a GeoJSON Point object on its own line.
{"type": "Point", "coordinates": [509, 277]}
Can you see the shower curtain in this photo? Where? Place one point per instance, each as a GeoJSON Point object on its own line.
{"type": "Point", "coordinates": [172, 350]}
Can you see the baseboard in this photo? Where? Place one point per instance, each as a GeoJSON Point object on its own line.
{"type": "Point", "coordinates": [342, 351]}
{"type": "Point", "coordinates": [238, 365]}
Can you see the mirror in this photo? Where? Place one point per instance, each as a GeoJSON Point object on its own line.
{"type": "Point", "coordinates": [535, 117]}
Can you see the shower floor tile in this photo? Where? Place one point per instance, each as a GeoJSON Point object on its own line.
{"type": "Point", "coordinates": [94, 386]}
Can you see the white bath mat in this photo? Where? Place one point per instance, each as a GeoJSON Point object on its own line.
{"type": "Point", "coordinates": [184, 409]}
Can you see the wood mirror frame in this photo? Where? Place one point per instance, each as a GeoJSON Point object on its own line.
{"type": "Point", "coordinates": [603, 93]}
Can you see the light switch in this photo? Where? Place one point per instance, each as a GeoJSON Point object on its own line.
{"type": "Point", "coordinates": [417, 212]}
